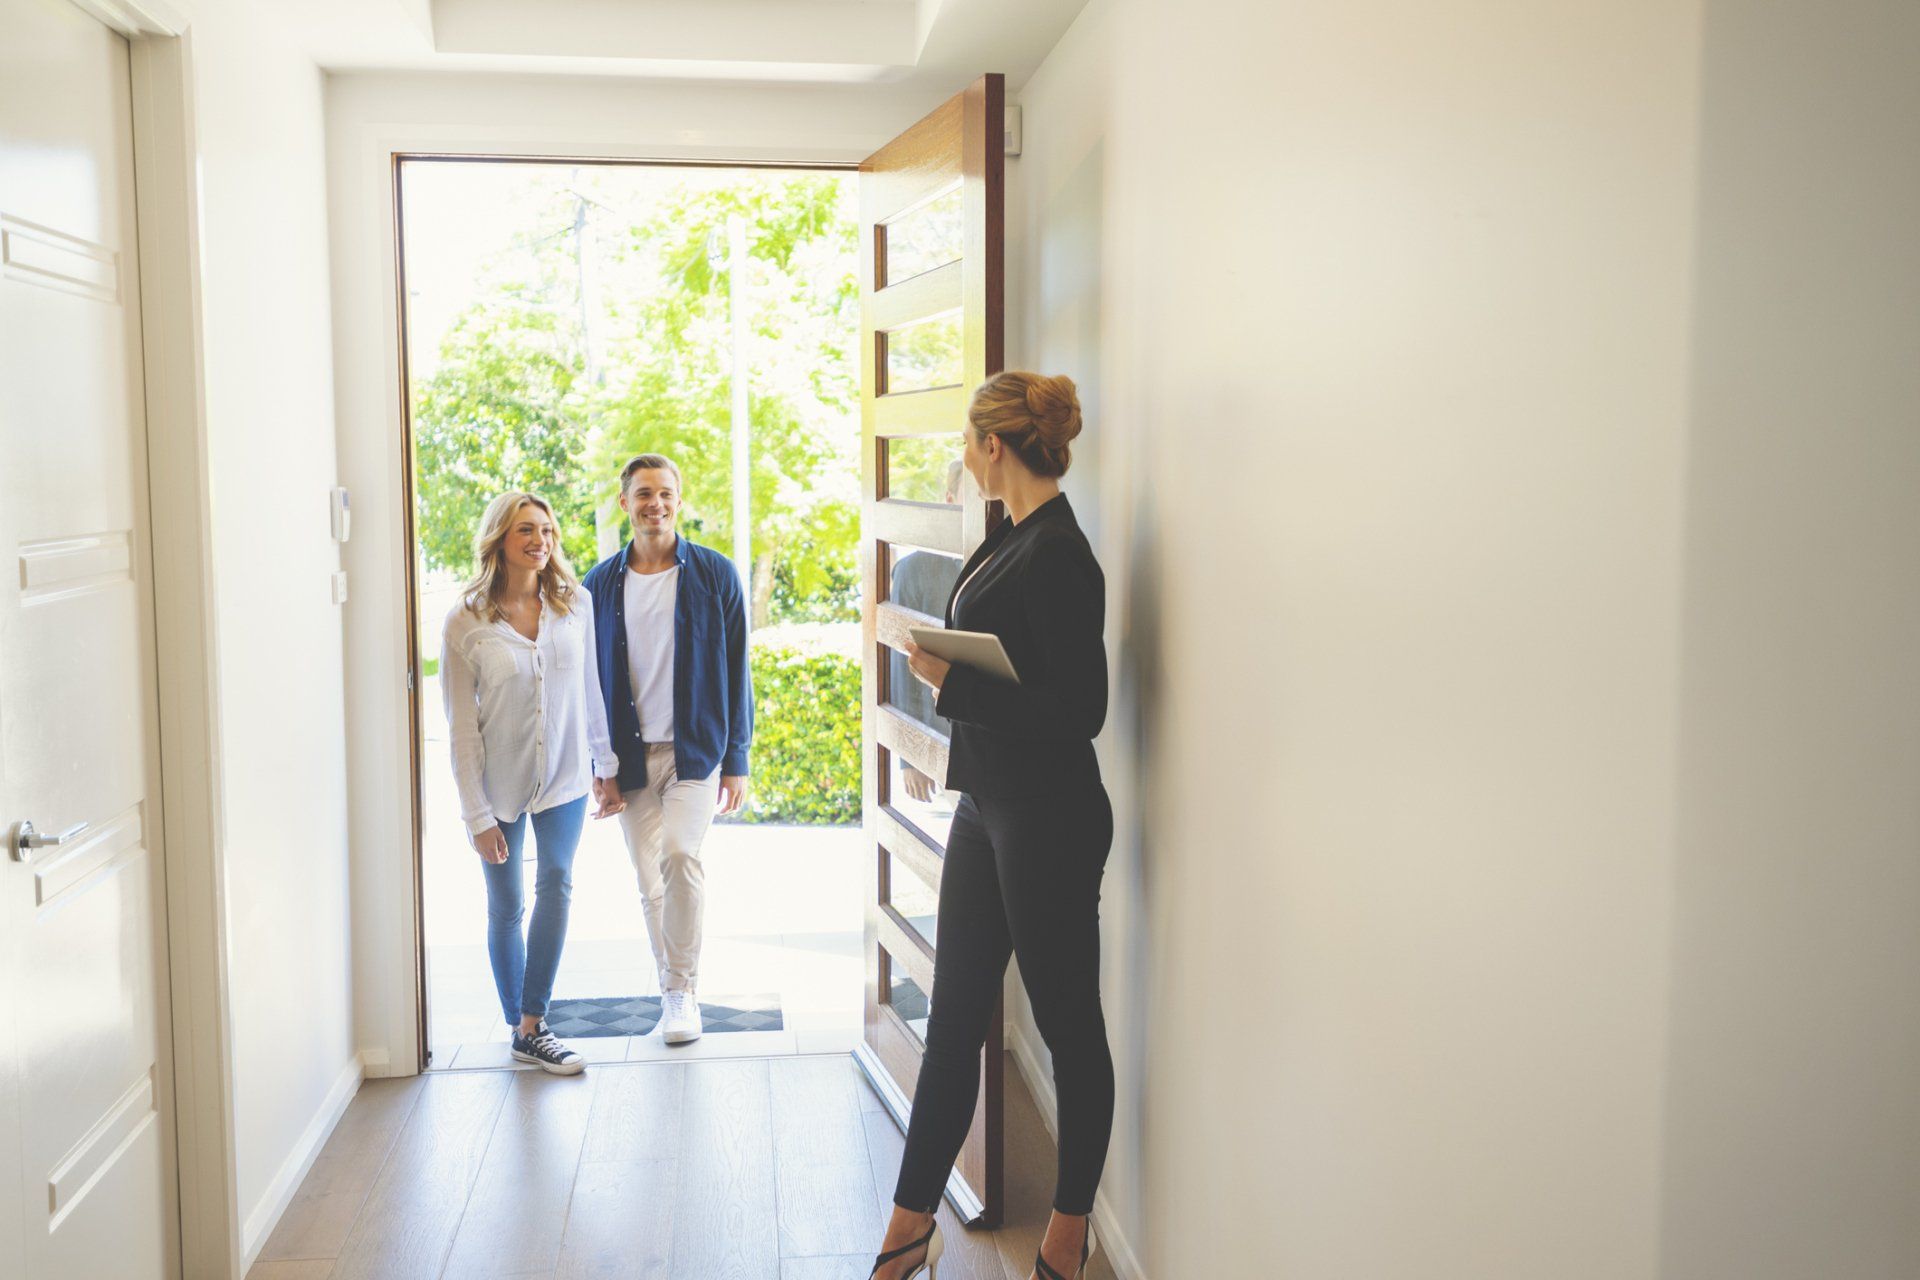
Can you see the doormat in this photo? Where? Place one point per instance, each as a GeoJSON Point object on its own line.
{"type": "Point", "coordinates": [638, 1015]}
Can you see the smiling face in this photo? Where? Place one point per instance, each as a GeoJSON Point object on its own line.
{"type": "Point", "coordinates": [530, 540]}
{"type": "Point", "coordinates": [652, 502]}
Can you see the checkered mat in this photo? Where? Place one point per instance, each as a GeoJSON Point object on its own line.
{"type": "Point", "coordinates": [638, 1015]}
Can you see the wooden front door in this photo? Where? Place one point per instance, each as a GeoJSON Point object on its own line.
{"type": "Point", "coordinates": [931, 326]}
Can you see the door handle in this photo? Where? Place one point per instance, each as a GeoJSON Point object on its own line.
{"type": "Point", "coordinates": [25, 840]}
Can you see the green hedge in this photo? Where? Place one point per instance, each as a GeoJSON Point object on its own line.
{"type": "Point", "coordinates": [806, 737]}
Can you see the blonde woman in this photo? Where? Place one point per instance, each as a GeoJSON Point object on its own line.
{"type": "Point", "coordinates": [529, 734]}
{"type": "Point", "coordinates": [1031, 830]}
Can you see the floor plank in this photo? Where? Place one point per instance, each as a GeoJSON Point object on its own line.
{"type": "Point", "coordinates": [517, 1209]}
{"type": "Point", "coordinates": [723, 1225]}
{"type": "Point", "coordinates": [318, 1219]}
{"type": "Point", "coordinates": [621, 1223]}
{"type": "Point", "coordinates": [849, 1266]}
{"type": "Point", "coordinates": [969, 1255]}
{"type": "Point", "coordinates": [1031, 1166]}
{"type": "Point", "coordinates": [601, 1048]}
{"type": "Point", "coordinates": [298, 1270]}
{"type": "Point", "coordinates": [636, 1114]}
{"type": "Point", "coordinates": [691, 1170]}
{"type": "Point", "coordinates": [620, 1226]}
{"type": "Point", "coordinates": [822, 1171]}
{"type": "Point", "coordinates": [407, 1225]}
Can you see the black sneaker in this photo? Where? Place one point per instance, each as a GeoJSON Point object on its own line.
{"type": "Point", "coordinates": [545, 1051]}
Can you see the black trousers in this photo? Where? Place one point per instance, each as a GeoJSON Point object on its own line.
{"type": "Point", "coordinates": [1022, 877]}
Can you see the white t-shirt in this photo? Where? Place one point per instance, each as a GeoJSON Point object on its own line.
{"type": "Point", "coordinates": [649, 609]}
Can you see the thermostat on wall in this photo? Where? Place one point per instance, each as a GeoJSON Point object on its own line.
{"type": "Point", "coordinates": [342, 510]}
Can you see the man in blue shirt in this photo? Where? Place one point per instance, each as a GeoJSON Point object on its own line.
{"type": "Point", "coordinates": [670, 623]}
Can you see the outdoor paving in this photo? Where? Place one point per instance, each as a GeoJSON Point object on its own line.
{"type": "Point", "coordinates": [784, 915]}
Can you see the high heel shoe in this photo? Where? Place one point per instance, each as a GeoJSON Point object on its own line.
{"type": "Point", "coordinates": [1088, 1248]}
{"type": "Point", "coordinates": [929, 1264]}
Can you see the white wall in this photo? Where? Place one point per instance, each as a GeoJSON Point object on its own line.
{"type": "Point", "coordinates": [1794, 1134]}
{"type": "Point", "coordinates": [1058, 315]}
{"type": "Point", "coordinates": [271, 457]}
{"type": "Point", "coordinates": [1509, 416]}
{"type": "Point", "coordinates": [369, 117]}
{"type": "Point", "coordinates": [1501, 450]}
{"type": "Point", "coordinates": [1390, 360]}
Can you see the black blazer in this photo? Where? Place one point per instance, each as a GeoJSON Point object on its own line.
{"type": "Point", "coordinates": [1041, 591]}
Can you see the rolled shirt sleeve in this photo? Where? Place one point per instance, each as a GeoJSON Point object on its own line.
{"type": "Point", "coordinates": [459, 690]}
{"type": "Point", "coordinates": [734, 764]}
{"type": "Point", "coordinates": [599, 741]}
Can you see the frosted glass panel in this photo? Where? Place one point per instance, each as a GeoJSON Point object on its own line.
{"type": "Point", "coordinates": [929, 354]}
{"type": "Point", "coordinates": [923, 468]}
{"type": "Point", "coordinates": [917, 901]}
{"type": "Point", "coordinates": [920, 580]}
{"type": "Point", "coordinates": [906, 997]}
{"type": "Point", "coordinates": [919, 801]}
{"type": "Point", "coordinates": [931, 236]}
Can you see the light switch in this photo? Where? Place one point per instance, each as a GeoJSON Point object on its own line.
{"type": "Point", "coordinates": [340, 587]}
{"type": "Point", "coordinates": [340, 512]}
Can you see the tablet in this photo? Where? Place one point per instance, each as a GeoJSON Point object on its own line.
{"type": "Point", "coordinates": [980, 650]}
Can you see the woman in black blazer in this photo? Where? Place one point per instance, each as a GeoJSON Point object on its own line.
{"type": "Point", "coordinates": [1032, 829]}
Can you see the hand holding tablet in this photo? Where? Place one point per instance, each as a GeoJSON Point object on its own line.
{"type": "Point", "coordinates": [980, 650]}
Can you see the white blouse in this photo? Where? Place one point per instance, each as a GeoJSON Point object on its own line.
{"type": "Point", "coordinates": [524, 714]}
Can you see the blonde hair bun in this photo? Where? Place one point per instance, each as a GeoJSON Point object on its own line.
{"type": "Point", "coordinates": [1055, 407]}
{"type": "Point", "coordinates": [1035, 414]}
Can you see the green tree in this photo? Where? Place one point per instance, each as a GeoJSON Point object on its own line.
{"type": "Point", "coordinates": [673, 393]}
{"type": "Point", "coordinates": [602, 334]}
{"type": "Point", "coordinates": [502, 411]}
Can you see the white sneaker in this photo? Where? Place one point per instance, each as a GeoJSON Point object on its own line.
{"type": "Point", "coordinates": [679, 1017]}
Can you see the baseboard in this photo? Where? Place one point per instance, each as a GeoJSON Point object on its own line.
{"type": "Point", "coordinates": [266, 1215]}
{"type": "Point", "coordinates": [374, 1064]}
{"type": "Point", "coordinates": [1026, 1059]}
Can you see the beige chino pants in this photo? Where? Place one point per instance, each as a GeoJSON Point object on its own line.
{"type": "Point", "coordinates": [665, 823]}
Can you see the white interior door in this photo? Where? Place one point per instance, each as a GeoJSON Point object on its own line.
{"type": "Point", "coordinates": [86, 1152]}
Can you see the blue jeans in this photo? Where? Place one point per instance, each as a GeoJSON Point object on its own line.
{"type": "Point", "coordinates": [523, 969]}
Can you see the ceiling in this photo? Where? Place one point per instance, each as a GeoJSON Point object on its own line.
{"type": "Point", "coordinates": [771, 41]}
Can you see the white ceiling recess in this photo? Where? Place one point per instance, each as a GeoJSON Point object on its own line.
{"type": "Point", "coordinates": [771, 41]}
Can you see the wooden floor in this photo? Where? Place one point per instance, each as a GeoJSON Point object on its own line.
{"type": "Point", "coordinates": [759, 1169]}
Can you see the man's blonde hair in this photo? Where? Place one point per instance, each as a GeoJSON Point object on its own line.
{"type": "Point", "coordinates": [648, 462]}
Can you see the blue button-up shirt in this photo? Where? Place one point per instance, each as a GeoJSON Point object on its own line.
{"type": "Point", "coordinates": [712, 683]}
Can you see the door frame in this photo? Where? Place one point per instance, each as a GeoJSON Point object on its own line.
{"type": "Point", "coordinates": [167, 224]}
{"type": "Point", "coordinates": [369, 404]}
{"type": "Point", "coordinates": [410, 534]}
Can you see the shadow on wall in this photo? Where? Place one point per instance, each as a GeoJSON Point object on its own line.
{"type": "Point", "coordinates": [1068, 282]}
{"type": "Point", "coordinates": [1137, 719]}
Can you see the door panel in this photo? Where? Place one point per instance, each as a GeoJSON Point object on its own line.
{"type": "Point", "coordinates": [920, 524]}
{"type": "Point", "coordinates": [919, 469]}
{"type": "Point", "coordinates": [931, 226]}
{"type": "Point", "coordinates": [911, 891]}
{"type": "Point", "coordinates": [86, 1152]}
{"type": "Point", "coordinates": [920, 808]}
